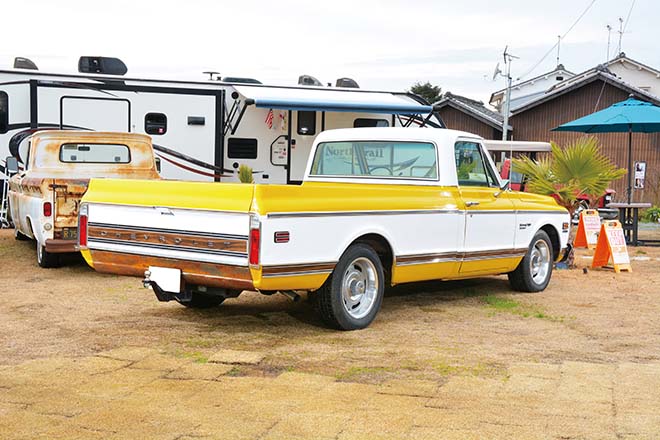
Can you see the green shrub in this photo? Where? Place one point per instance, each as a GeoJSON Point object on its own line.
{"type": "Point", "coordinates": [245, 174]}
{"type": "Point", "coordinates": [652, 214]}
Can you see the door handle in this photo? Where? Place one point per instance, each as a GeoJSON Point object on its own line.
{"type": "Point", "coordinates": [468, 204]}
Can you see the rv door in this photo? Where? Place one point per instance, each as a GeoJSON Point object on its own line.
{"type": "Point", "coordinates": [98, 114]}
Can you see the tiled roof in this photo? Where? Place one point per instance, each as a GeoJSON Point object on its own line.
{"type": "Point", "coordinates": [473, 107]}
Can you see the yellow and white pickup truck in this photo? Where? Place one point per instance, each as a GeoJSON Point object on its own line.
{"type": "Point", "coordinates": [377, 207]}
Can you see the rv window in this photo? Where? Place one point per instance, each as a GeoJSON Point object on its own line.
{"type": "Point", "coordinates": [4, 112]}
{"type": "Point", "coordinates": [155, 123]}
{"type": "Point", "coordinates": [307, 123]}
{"type": "Point", "coordinates": [94, 153]}
{"type": "Point", "coordinates": [239, 148]}
{"type": "Point", "coordinates": [367, 122]}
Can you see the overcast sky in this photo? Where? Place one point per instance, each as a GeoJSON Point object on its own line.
{"type": "Point", "coordinates": [384, 44]}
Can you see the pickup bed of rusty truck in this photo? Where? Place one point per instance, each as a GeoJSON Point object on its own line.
{"type": "Point", "coordinates": [44, 198]}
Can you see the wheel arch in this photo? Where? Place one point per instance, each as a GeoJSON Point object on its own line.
{"type": "Point", "coordinates": [381, 245]}
{"type": "Point", "coordinates": [554, 239]}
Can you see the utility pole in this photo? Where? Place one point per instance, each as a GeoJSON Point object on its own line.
{"type": "Point", "coordinates": [508, 58]}
{"type": "Point", "coordinates": [609, 37]}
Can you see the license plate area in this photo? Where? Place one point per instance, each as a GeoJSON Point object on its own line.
{"type": "Point", "coordinates": [168, 279]}
{"type": "Point", "coordinates": [70, 233]}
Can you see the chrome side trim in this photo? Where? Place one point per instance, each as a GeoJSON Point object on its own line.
{"type": "Point", "coordinates": [411, 211]}
{"type": "Point", "coordinates": [360, 213]}
{"type": "Point", "coordinates": [295, 274]}
{"type": "Point", "coordinates": [449, 257]}
{"type": "Point", "coordinates": [288, 270]}
{"type": "Point", "coordinates": [545, 211]}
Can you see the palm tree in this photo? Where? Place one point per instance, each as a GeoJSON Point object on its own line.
{"type": "Point", "coordinates": [579, 169]}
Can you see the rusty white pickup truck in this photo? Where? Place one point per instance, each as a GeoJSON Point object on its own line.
{"type": "Point", "coordinates": [44, 197]}
{"type": "Point", "coordinates": [378, 207]}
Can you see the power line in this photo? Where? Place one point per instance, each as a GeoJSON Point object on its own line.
{"type": "Point", "coordinates": [625, 26]}
{"type": "Point", "coordinates": [559, 41]}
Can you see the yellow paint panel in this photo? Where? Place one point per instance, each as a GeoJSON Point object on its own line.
{"type": "Point", "coordinates": [188, 195]}
{"type": "Point", "coordinates": [332, 197]}
{"type": "Point", "coordinates": [87, 255]}
{"type": "Point", "coordinates": [297, 282]}
{"type": "Point", "coordinates": [424, 272]}
{"type": "Point", "coordinates": [489, 266]}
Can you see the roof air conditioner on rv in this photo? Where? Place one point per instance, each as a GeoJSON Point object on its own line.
{"type": "Point", "coordinates": [309, 80]}
{"type": "Point", "coordinates": [347, 83]}
{"type": "Point", "coordinates": [103, 65]}
{"type": "Point", "coordinates": [24, 63]}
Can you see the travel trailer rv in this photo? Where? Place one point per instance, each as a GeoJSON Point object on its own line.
{"type": "Point", "coordinates": [201, 130]}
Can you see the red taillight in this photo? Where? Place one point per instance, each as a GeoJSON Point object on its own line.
{"type": "Point", "coordinates": [48, 209]}
{"type": "Point", "coordinates": [82, 230]}
{"type": "Point", "coordinates": [255, 239]}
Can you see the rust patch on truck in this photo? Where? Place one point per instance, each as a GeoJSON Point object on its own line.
{"type": "Point", "coordinates": [195, 273]}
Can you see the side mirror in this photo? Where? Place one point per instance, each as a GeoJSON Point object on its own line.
{"type": "Point", "coordinates": [506, 185]}
{"type": "Point", "coordinates": [11, 165]}
{"type": "Point", "coordinates": [158, 164]}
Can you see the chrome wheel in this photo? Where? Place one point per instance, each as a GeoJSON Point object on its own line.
{"type": "Point", "coordinates": [359, 287]}
{"type": "Point", "coordinates": [540, 261]}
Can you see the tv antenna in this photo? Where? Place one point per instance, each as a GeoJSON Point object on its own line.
{"type": "Point", "coordinates": [558, 47]}
{"type": "Point", "coordinates": [609, 39]}
{"type": "Point", "coordinates": [508, 60]}
{"type": "Point", "coordinates": [620, 32]}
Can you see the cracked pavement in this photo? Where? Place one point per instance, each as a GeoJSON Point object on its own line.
{"type": "Point", "coordinates": [135, 392]}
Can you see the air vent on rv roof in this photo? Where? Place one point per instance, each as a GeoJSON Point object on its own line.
{"type": "Point", "coordinates": [236, 79]}
{"type": "Point", "coordinates": [347, 82]}
{"type": "Point", "coordinates": [308, 80]}
{"type": "Point", "coordinates": [103, 65]}
{"type": "Point", "coordinates": [24, 63]}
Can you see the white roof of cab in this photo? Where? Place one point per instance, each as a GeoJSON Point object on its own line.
{"type": "Point", "coordinates": [442, 137]}
{"type": "Point", "coordinates": [437, 135]}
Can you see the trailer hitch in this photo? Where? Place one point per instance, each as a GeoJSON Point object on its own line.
{"type": "Point", "coordinates": [163, 295]}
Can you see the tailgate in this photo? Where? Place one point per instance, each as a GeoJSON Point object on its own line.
{"type": "Point", "coordinates": [67, 195]}
{"type": "Point", "coordinates": [191, 221]}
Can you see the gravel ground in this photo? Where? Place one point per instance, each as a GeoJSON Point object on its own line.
{"type": "Point", "coordinates": [85, 355]}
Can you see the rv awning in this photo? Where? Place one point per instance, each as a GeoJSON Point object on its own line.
{"type": "Point", "coordinates": [331, 100]}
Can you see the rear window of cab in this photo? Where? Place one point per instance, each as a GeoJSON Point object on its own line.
{"type": "Point", "coordinates": [376, 159]}
{"type": "Point", "coordinates": [95, 153]}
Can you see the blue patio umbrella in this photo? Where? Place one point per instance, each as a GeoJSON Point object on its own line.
{"type": "Point", "coordinates": [629, 116]}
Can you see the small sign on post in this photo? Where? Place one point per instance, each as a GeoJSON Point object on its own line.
{"type": "Point", "coordinates": [612, 246]}
{"type": "Point", "coordinates": [588, 229]}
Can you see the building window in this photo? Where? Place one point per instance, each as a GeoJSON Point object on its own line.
{"type": "Point", "coordinates": [240, 148]}
{"type": "Point", "coordinates": [368, 122]}
{"type": "Point", "coordinates": [4, 112]}
{"type": "Point", "coordinates": [155, 123]}
{"type": "Point", "coordinates": [95, 153]}
{"type": "Point", "coordinates": [306, 123]}
{"type": "Point", "coordinates": [376, 159]}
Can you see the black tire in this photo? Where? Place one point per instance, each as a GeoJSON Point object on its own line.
{"type": "Point", "coordinates": [360, 267]}
{"type": "Point", "coordinates": [535, 269]}
{"type": "Point", "coordinates": [46, 259]}
{"type": "Point", "coordinates": [18, 235]}
{"type": "Point", "coordinates": [202, 301]}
